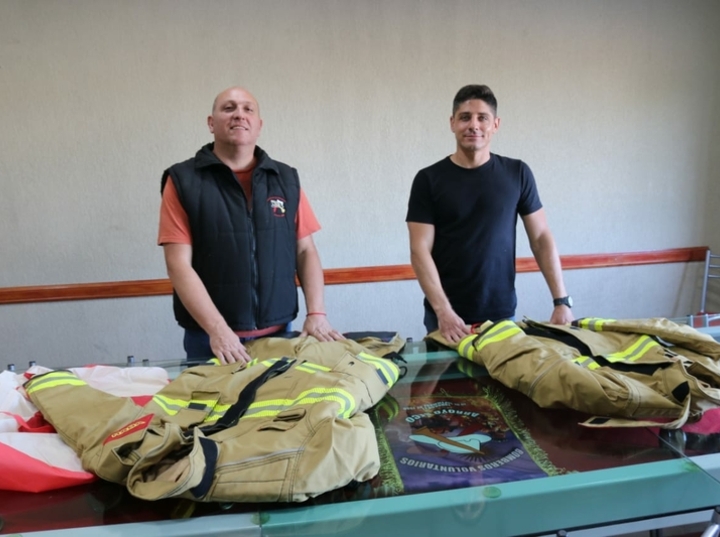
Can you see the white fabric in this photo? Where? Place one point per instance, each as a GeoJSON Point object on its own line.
{"type": "Point", "coordinates": [48, 447]}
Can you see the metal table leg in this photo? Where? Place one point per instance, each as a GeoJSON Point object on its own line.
{"type": "Point", "coordinates": [713, 530]}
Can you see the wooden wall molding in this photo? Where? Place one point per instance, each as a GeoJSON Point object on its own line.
{"type": "Point", "coordinates": [336, 276]}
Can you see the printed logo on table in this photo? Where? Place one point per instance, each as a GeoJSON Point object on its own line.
{"type": "Point", "coordinates": [454, 437]}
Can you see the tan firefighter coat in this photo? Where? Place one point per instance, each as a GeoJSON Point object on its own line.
{"type": "Point", "coordinates": [625, 372]}
{"type": "Point", "coordinates": [287, 427]}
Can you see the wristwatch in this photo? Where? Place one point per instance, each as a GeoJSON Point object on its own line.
{"type": "Point", "coordinates": [563, 301]}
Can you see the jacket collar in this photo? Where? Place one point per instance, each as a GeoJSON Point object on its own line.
{"type": "Point", "coordinates": [205, 157]}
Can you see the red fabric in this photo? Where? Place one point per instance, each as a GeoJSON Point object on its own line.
{"type": "Point", "coordinates": [36, 476]}
{"type": "Point", "coordinates": [35, 463]}
{"type": "Point", "coordinates": [708, 424]}
{"type": "Point", "coordinates": [36, 424]}
{"type": "Point", "coordinates": [141, 400]}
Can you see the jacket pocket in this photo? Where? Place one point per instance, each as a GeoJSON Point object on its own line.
{"type": "Point", "coordinates": [285, 420]}
{"type": "Point", "coordinates": [258, 479]}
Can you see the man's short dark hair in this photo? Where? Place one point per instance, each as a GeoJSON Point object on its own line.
{"type": "Point", "coordinates": [475, 91]}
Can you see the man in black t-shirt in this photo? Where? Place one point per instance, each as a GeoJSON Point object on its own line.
{"type": "Point", "coordinates": [461, 218]}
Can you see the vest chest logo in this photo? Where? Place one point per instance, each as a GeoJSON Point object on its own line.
{"type": "Point", "coordinates": [277, 206]}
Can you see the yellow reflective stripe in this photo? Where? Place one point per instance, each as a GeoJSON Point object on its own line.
{"type": "Point", "coordinates": [273, 407]}
{"type": "Point", "coordinates": [173, 406]}
{"type": "Point", "coordinates": [631, 354]}
{"type": "Point", "coordinates": [54, 375]}
{"type": "Point", "coordinates": [310, 367]}
{"type": "Point", "coordinates": [586, 362]}
{"type": "Point", "coordinates": [344, 411]}
{"type": "Point", "coordinates": [594, 323]}
{"type": "Point", "coordinates": [169, 401]}
{"type": "Point", "coordinates": [465, 346]}
{"type": "Point", "coordinates": [267, 362]}
{"type": "Point", "coordinates": [216, 413]}
{"type": "Point", "coordinates": [390, 407]}
{"type": "Point", "coordinates": [466, 367]}
{"type": "Point", "coordinates": [388, 371]}
{"type": "Point", "coordinates": [634, 351]}
{"type": "Point", "coordinates": [499, 332]}
{"type": "Point", "coordinates": [170, 406]}
{"type": "Point", "coordinates": [53, 380]}
{"type": "Point", "coordinates": [212, 417]}
{"type": "Point", "coordinates": [317, 367]}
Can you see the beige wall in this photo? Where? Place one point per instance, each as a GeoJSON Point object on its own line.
{"type": "Point", "coordinates": [614, 105]}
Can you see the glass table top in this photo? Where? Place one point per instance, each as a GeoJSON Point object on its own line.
{"type": "Point", "coordinates": [459, 452]}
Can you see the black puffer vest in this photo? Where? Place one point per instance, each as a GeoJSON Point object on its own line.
{"type": "Point", "coordinates": [245, 257]}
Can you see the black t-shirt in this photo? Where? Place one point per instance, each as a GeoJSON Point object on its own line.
{"type": "Point", "coordinates": [475, 212]}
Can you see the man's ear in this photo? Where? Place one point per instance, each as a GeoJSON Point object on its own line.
{"type": "Point", "coordinates": [210, 124]}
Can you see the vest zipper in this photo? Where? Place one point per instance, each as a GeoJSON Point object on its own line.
{"type": "Point", "coordinates": [253, 270]}
{"type": "Point", "coordinates": [253, 254]}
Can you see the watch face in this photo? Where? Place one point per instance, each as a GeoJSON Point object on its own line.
{"type": "Point", "coordinates": [564, 301]}
{"type": "Point", "coordinates": [569, 301]}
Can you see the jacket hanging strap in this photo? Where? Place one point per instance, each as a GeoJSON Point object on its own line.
{"type": "Point", "coordinates": [246, 397]}
{"type": "Point", "coordinates": [230, 418]}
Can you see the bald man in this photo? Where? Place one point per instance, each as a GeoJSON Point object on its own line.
{"type": "Point", "coordinates": [236, 229]}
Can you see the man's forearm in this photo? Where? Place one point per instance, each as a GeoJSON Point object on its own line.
{"type": "Point", "coordinates": [312, 280]}
{"type": "Point", "coordinates": [548, 259]}
{"type": "Point", "coordinates": [195, 298]}
{"type": "Point", "coordinates": [429, 280]}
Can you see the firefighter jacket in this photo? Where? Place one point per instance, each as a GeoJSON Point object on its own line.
{"type": "Point", "coordinates": [624, 372]}
{"type": "Point", "coordinates": [283, 428]}
{"type": "Point", "coordinates": [245, 255]}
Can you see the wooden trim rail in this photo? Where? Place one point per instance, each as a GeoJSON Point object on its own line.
{"type": "Point", "coordinates": [337, 276]}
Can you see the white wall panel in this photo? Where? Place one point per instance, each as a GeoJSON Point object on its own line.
{"type": "Point", "coordinates": [615, 106]}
